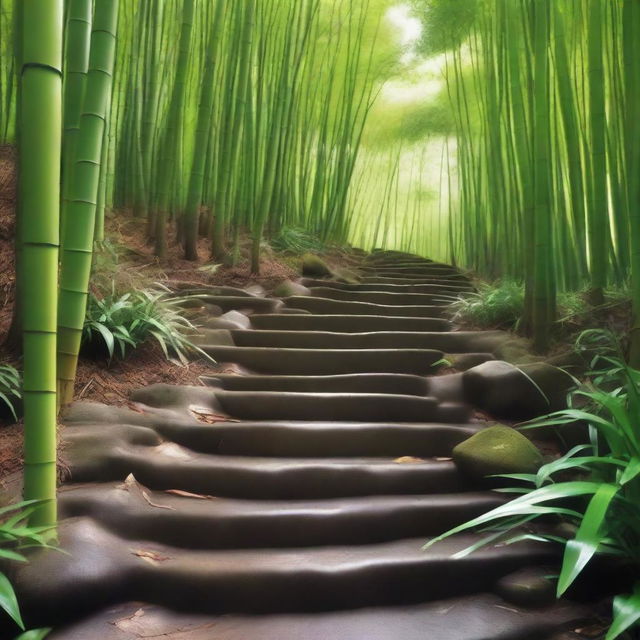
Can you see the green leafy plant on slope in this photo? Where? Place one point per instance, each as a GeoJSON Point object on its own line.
{"type": "Point", "coordinates": [122, 323]}
{"type": "Point", "coordinates": [296, 240]}
{"type": "Point", "coordinates": [499, 305]}
{"type": "Point", "coordinates": [10, 388]}
{"type": "Point", "coordinates": [15, 536]}
{"type": "Point", "coordinates": [603, 476]}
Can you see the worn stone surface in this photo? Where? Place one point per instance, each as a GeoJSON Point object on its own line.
{"type": "Point", "coordinates": [288, 498]}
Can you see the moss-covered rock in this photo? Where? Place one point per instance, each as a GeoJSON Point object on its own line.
{"type": "Point", "coordinates": [497, 450]}
{"type": "Point", "coordinates": [315, 266]}
{"type": "Point", "coordinates": [288, 288]}
{"type": "Point", "coordinates": [346, 275]}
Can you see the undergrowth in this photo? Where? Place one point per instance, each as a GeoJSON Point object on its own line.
{"type": "Point", "coordinates": [10, 388]}
{"type": "Point", "coordinates": [123, 322]}
{"type": "Point", "coordinates": [500, 305]}
{"type": "Point", "coordinates": [296, 240]}
{"type": "Point", "coordinates": [15, 536]}
{"type": "Point", "coordinates": [594, 486]}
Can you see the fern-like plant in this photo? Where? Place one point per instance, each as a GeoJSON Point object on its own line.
{"type": "Point", "coordinates": [122, 323]}
{"type": "Point", "coordinates": [10, 388]}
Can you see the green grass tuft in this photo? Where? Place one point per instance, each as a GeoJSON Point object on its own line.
{"type": "Point", "coordinates": [499, 306]}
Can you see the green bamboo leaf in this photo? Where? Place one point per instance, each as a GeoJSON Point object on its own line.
{"type": "Point", "coordinates": [8, 601]}
{"type": "Point", "coordinates": [631, 472]}
{"type": "Point", "coordinates": [108, 338]}
{"type": "Point", "coordinates": [34, 634]}
{"type": "Point", "coordinates": [525, 504]}
{"type": "Point", "coordinates": [12, 555]}
{"type": "Point", "coordinates": [626, 613]}
{"type": "Point", "coordinates": [590, 535]}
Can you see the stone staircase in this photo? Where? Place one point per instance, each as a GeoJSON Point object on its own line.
{"type": "Point", "coordinates": [290, 500]}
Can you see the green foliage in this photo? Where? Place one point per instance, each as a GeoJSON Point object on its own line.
{"type": "Point", "coordinates": [15, 536]}
{"type": "Point", "coordinates": [10, 388]}
{"type": "Point", "coordinates": [446, 23]}
{"type": "Point", "coordinates": [498, 305]}
{"type": "Point", "coordinates": [595, 486]}
{"type": "Point", "coordinates": [296, 240]}
{"type": "Point", "coordinates": [124, 322]}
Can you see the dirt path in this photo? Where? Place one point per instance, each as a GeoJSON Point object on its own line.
{"type": "Point", "coordinates": [289, 499]}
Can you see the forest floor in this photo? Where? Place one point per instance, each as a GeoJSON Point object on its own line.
{"type": "Point", "coordinates": [127, 262]}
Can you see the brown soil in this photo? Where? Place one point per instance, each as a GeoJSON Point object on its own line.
{"type": "Point", "coordinates": [125, 262]}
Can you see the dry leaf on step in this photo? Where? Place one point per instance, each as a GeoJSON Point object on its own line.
{"type": "Point", "coordinates": [408, 460]}
{"type": "Point", "coordinates": [152, 557]}
{"type": "Point", "coordinates": [145, 495]}
{"type": "Point", "coordinates": [203, 414]}
{"type": "Point", "coordinates": [188, 494]}
{"type": "Point", "coordinates": [136, 406]}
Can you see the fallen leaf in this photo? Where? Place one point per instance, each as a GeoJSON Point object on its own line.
{"type": "Point", "coordinates": [136, 406]}
{"type": "Point", "coordinates": [145, 495]}
{"type": "Point", "coordinates": [408, 460]}
{"type": "Point", "coordinates": [499, 606]}
{"type": "Point", "coordinates": [203, 414]}
{"type": "Point", "coordinates": [130, 482]}
{"type": "Point", "coordinates": [187, 494]}
{"type": "Point", "coordinates": [152, 557]}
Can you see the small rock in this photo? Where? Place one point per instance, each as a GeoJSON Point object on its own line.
{"type": "Point", "coordinates": [527, 588]}
{"type": "Point", "coordinates": [315, 266]}
{"type": "Point", "coordinates": [506, 391]}
{"type": "Point", "coordinates": [465, 361]}
{"type": "Point", "coordinates": [230, 320]}
{"type": "Point", "coordinates": [497, 450]}
{"type": "Point", "coordinates": [287, 288]}
{"type": "Point", "coordinates": [214, 337]}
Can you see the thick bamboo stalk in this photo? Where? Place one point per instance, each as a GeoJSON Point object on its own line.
{"type": "Point", "coordinates": [40, 154]}
{"type": "Point", "coordinates": [79, 232]}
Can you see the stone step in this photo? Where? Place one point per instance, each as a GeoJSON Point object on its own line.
{"type": "Point", "coordinates": [475, 617]}
{"type": "Point", "coordinates": [55, 585]}
{"type": "Point", "coordinates": [326, 306]}
{"type": "Point", "coordinates": [447, 289]}
{"type": "Point", "coordinates": [433, 270]}
{"type": "Point", "coordinates": [327, 361]}
{"type": "Point", "coordinates": [194, 522]}
{"type": "Point", "coordinates": [383, 297]}
{"type": "Point", "coordinates": [412, 279]}
{"type": "Point", "coordinates": [313, 439]}
{"type": "Point", "coordinates": [249, 303]}
{"type": "Point", "coordinates": [169, 466]}
{"type": "Point", "coordinates": [339, 407]}
{"type": "Point", "coordinates": [394, 383]}
{"type": "Point", "coordinates": [347, 323]}
{"type": "Point", "coordinates": [447, 342]}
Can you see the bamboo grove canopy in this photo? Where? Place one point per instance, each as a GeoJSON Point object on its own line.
{"type": "Point", "coordinates": [518, 154]}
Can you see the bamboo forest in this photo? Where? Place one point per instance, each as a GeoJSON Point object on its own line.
{"type": "Point", "coordinates": [320, 319]}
